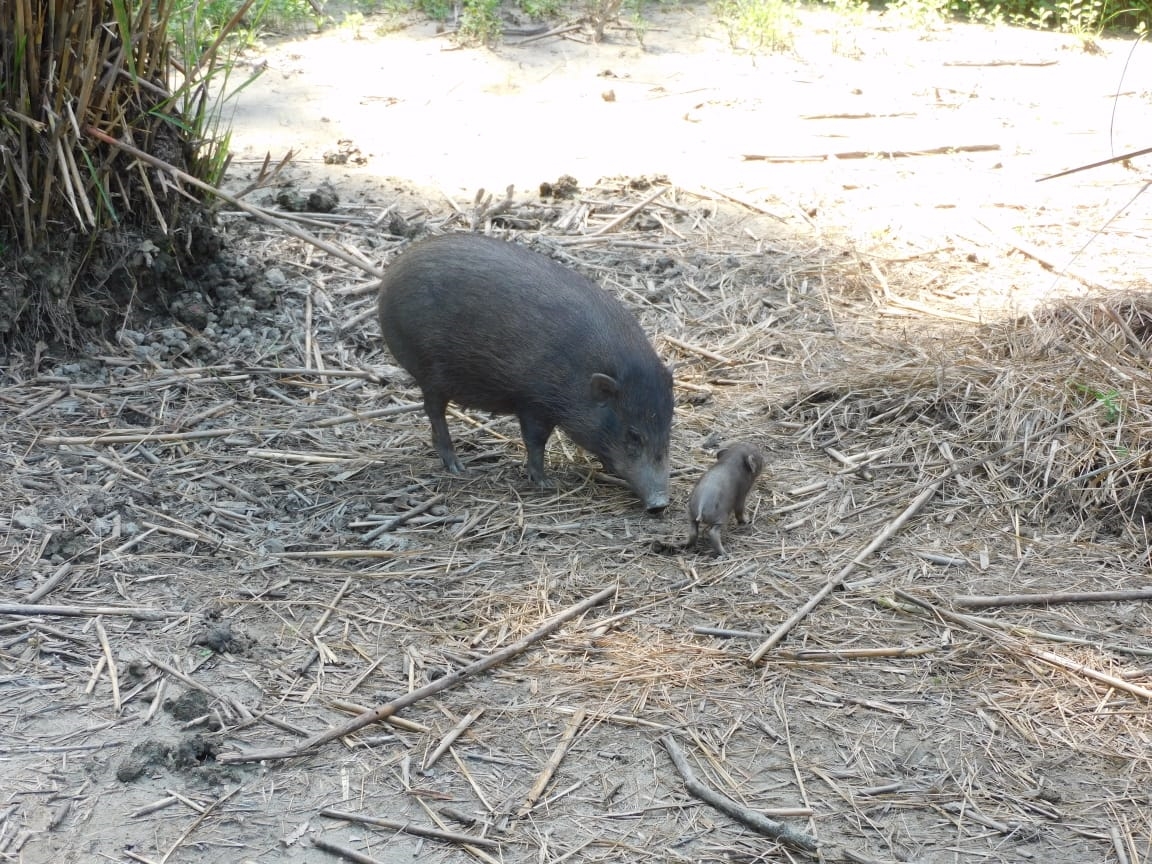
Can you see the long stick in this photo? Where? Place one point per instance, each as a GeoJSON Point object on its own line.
{"type": "Point", "coordinates": [975, 601]}
{"type": "Point", "coordinates": [756, 821]}
{"type": "Point", "coordinates": [410, 828]}
{"type": "Point", "coordinates": [87, 611]}
{"type": "Point", "coordinates": [286, 227]}
{"type": "Point", "coordinates": [879, 540]}
{"type": "Point", "coordinates": [451, 680]}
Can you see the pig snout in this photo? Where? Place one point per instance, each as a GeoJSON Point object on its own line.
{"type": "Point", "coordinates": [651, 487]}
{"type": "Point", "coordinates": [657, 504]}
{"type": "Point", "coordinates": [646, 476]}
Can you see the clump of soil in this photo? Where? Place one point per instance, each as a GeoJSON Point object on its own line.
{"type": "Point", "coordinates": [154, 756]}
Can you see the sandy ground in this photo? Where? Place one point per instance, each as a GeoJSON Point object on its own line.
{"type": "Point", "coordinates": [685, 105]}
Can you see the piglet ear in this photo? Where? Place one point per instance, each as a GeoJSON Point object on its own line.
{"type": "Point", "coordinates": [604, 387]}
{"type": "Point", "coordinates": [721, 453]}
{"type": "Point", "coordinates": [754, 462]}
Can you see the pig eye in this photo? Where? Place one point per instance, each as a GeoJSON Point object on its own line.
{"type": "Point", "coordinates": [633, 440]}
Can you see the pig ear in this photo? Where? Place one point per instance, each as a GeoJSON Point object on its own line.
{"type": "Point", "coordinates": [721, 453]}
{"type": "Point", "coordinates": [754, 462]}
{"type": "Point", "coordinates": [604, 387]}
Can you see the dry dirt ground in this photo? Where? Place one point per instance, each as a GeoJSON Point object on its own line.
{"type": "Point", "coordinates": [213, 507]}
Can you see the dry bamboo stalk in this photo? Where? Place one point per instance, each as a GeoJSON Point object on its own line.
{"type": "Point", "coordinates": [397, 521]}
{"type": "Point", "coordinates": [399, 722]}
{"type": "Point", "coordinates": [552, 764]}
{"type": "Point", "coordinates": [702, 630]}
{"type": "Point", "coordinates": [120, 468]}
{"type": "Point", "coordinates": [475, 851]}
{"type": "Point", "coordinates": [37, 407]}
{"type": "Point", "coordinates": [1012, 239]}
{"type": "Point", "coordinates": [186, 801]}
{"type": "Point", "coordinates": [630, 212]}
{"type": "Point", "coordinates": [861, 653]}
{"type": "Point", "coordinates": [303, 458]}
{"type": "Point", "coordinates": [140, 614]}
{"type": "Point", "coordinates": [443, 683]}
{"type": "Point", "coordinates": [235, 704]}
{"type": "Point", "coordinates": [329, 608]}
{"type": "Point", "coordinates": [50, 584]}
{"type": "Point", "coordinates": [974, 601]}
{"type": "Point", "coordinates": [622, 719]}
{"type": "Point", "coordinates": [196, 823]}
{"type": "Point", "coordinates": [102, 636]}
{"type": "Point", "coordinates": [154, 807]}
{"type": "Point", "coordinates": [310, 373]}
{"type": "Point", "coordinates": [137, 437]}
{"type": "Point", "coordinates": [1088, 672]}
{"type": "Point", "coordinates": [875, 154]}
{"type": "Point", "coordinates": [889, 531]}
{"type": "Point", "coordinates": [344, 852]}
{"type": "Point", "coordinates": [449, 739]}
{"type": "Point", "coordinates": [97, 671]}
{"type": "Point", "coordinates": [340, 554]}
{"type": "Point", "coordinates": [1123, 157]}
{"type": "Point", "coordinates": [353, 417]}
{"type": "Point", "coordinates": [481, 797]}
{"type": "Point", "coordinates": [756, 821]}
{"type": "Point", "coordinates": [409, 828]}
{"type": "Point", "coordinates": [696, 349]}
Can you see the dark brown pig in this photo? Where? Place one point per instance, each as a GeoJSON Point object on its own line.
{"type": "Point", "coordinates": [722, 491]}
{"type": "Point", "coordinates": [492, 325]}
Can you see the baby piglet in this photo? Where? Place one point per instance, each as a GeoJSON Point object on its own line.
{"type": "Point", "coordinates": [722, 491]}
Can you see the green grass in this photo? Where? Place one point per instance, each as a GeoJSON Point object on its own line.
{"type": "Point", "coordinates": [541, 8]}
{"type": "Point", "coordinates": [480, 21]}
{"type": "Point", "coordinates": [753, 25]}
{"type": "Point", "coordinates": [202, 100]}
{"type": "Point", "coordinates": [1108, 400]}
{"type": "Point", "coordinates": [1079, 17]}
{"type": "Point", "coordinates": [758, 25]}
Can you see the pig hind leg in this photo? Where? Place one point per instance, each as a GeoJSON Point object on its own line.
{"type": "Point", "coordinates": [714, 540]}
{"type": "Point", "coordinates": [741, 516]}
{"type": "Point", "coordinates": [536, 431]}
{"type": "Point", "coordinates": [434, 406]}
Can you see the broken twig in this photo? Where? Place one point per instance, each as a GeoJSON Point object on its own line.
{"type": "Point", "coordinates": [443, 683]}
{"type": "Point", "coordinates": [553, 763]}
{"type": "Point", "coordinates": [755, 821]}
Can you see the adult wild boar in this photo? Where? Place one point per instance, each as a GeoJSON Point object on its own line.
{"type": "Point", "coordinates": [491, 325]}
